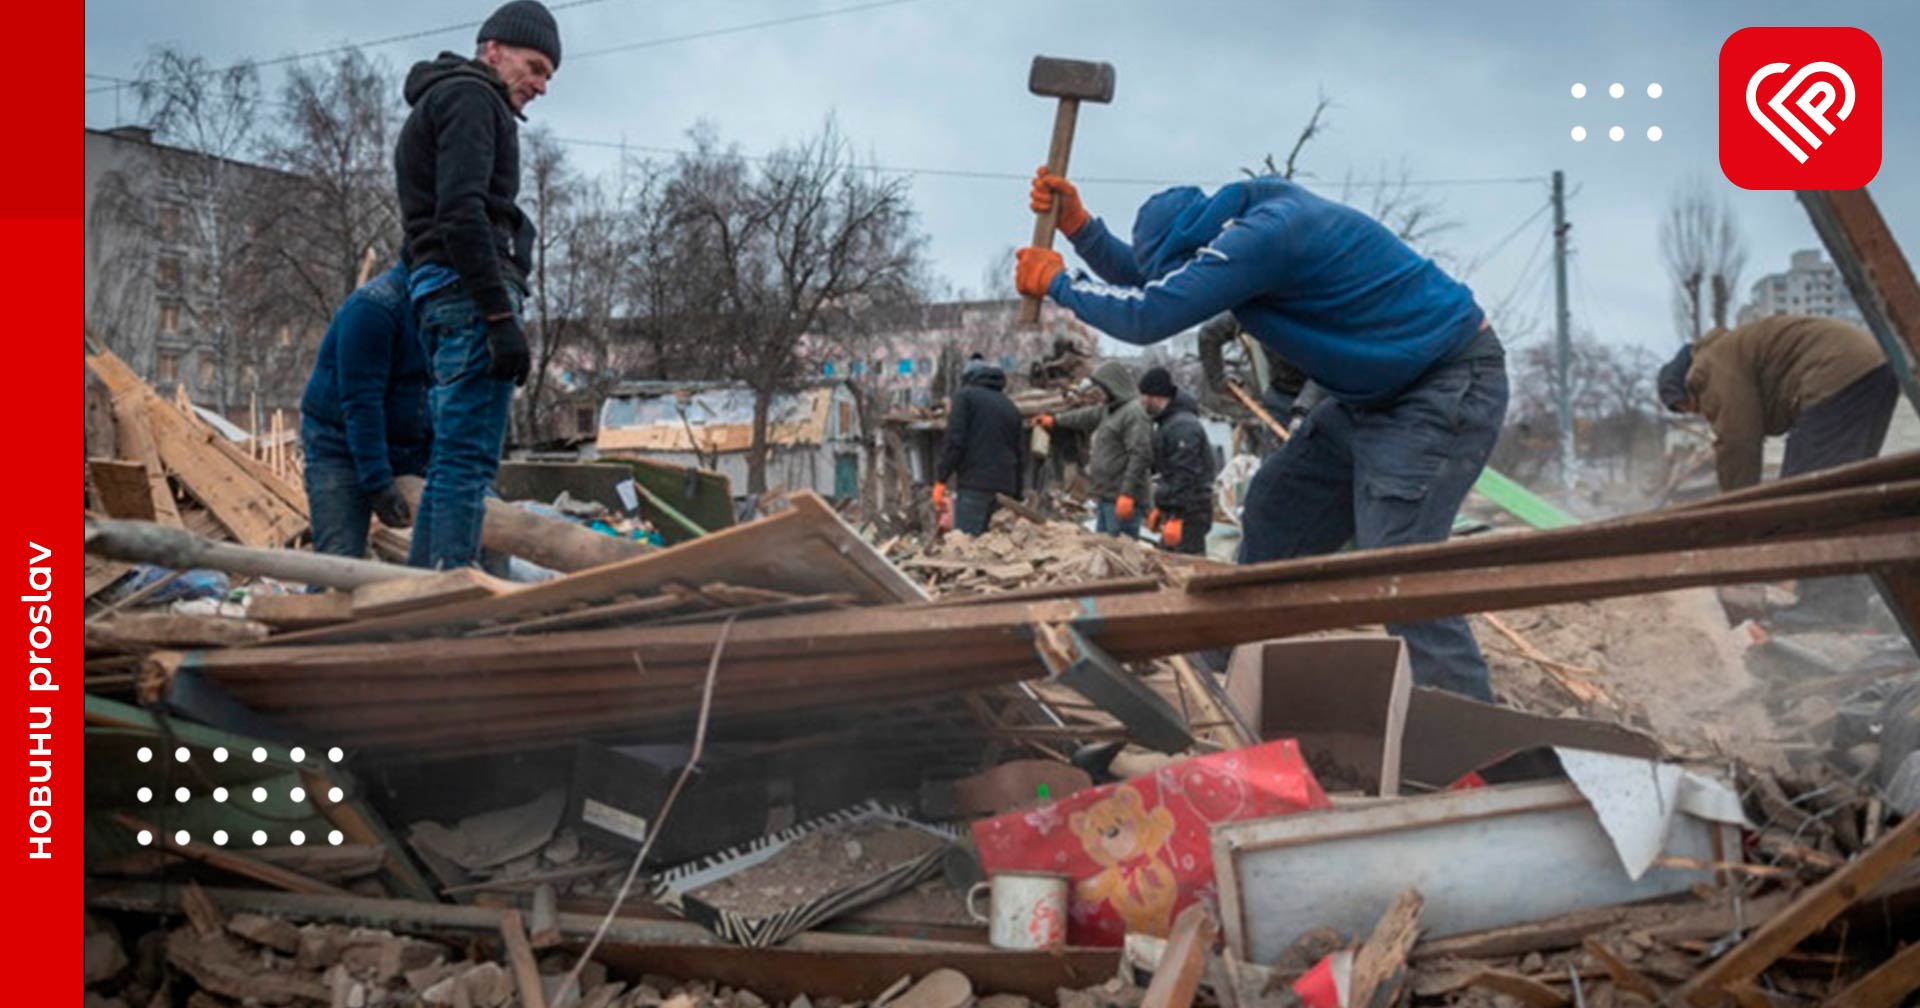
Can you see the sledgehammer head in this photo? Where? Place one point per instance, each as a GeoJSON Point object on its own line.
{"type": "Point", "coordinates": [1085, 80]}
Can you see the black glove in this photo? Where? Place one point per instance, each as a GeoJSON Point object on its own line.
{"type": "Point", "coordinates": [508, 346]}
{"type": "Point", "coordinates": [391, 507]}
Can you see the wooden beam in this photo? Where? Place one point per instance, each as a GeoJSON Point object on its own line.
{"type": "Point", "coordinates": [144, 542]}
{"type": "Point", "coordinates": [554, 543]}
{"type": "Point", "coordinates": [526, 972]}
{"type": "Point", "coordinates": [300, 610]}
{"type": "Point", "coordinates": [1809, 913]}
{"type": "Point", "coordinates": [134, 631]}
{"type": "Point", "coordinates": [1877, 275]}
{"type": "Point", "coordinates": [1886, 986]}
{"type": "Point", "coordinates": [1635, 535]}
{"type": "Point", "coordinates": [429, 589]}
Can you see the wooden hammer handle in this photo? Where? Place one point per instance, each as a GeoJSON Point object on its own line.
{"type": "Point", "coordinates": [1044, 224]}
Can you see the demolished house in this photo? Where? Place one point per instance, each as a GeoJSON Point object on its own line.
{"type": "Point", "coordinates": [815, 440]}
{"type": "Point", "coordinates": [806, 760]}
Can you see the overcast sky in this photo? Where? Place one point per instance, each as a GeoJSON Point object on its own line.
{"type": "Point", "coordinates": [1469, 90]}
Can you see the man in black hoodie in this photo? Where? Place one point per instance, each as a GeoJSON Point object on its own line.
{"type": "Point", "coordinates": [1183, 464]}
{"type": "Point", "coordinates": [983, 447]}
{"type": "Point", "coordinates": [468, 248]}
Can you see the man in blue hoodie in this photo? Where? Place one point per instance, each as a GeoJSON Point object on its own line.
{"type": "Point", "coordinates": [363, 417]}
{"type": "Point", "coordinates": [1415, 379]}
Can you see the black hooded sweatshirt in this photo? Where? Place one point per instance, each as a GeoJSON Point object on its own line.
{"type": "Point", "coordinates": [1183, 460]}
{"type": "Point", "coordinates": [458, 169]}
{"type": "Point", "coordinates": [985, 440]}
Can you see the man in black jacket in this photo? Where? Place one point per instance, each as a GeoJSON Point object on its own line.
{"type": "Point", "coordinates": [469, 248]}
{"type": "Point", "coordinates": [1182, 464]}
{"type": "Point", "coordinates": [983, 446]}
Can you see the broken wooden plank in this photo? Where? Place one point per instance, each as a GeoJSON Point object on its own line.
{"type": "Point", "coordinates": [1380, 967]}
{"type": "Point", "coordinates": [1522, 988]}
{"type": "Point", "coordinates": [122, 488]}
{"type": "Point", "coordinates": [1185, 960]}
{"type": "Point", "coordinates": [136, 443]}
{"type": "Point", "coordinates": [1624, 976]}
{"type": "Point", "coordinates": [526, 973]}
{"type": "Point", "coordinates": [300, 610]}
{"type": "Point", "coordinates": [137, 631]}
{"type": "Point", "coordinates": [1808, 914]}
{"type": "Point", "coordinates": [1886, 986]}
{"type": "Point", "coordinates": [202, 915]}
{"type": "Point", "coordinates": [227, 860]}
{"type": "Point", "coordinates": [1020, 508]}
{"type": "Point", "coordinates": [1253, 406]}
{"type": "Point", "coordinates": [399, 595]}
{"type": "Point", "coordinates": [543, 922]}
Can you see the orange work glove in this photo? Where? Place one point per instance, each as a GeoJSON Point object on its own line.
{"type": "Point", "coordinates": [1170, 532]}
{"type": "Point", "coordinates": [939, 496]}
{"type": "Point", "coordinates": [1047, 189]}
{"type": "Point", "coordinates": [1044, 420]}
{"type": "Point", "coordinates": [1123, 508]}
{"type": "Point", "coordinates": [1154, 518]}
{"type": "Point", "coordinates": [1035, 270]}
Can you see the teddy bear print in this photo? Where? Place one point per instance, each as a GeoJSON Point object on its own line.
{"type": "Point", "coordinates": [1125, 840]}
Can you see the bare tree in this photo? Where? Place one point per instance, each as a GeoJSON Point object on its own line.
{"type": "Point", "coordinates": [334, 139]}
{"type": "Point", "coordinates": [215, 201]}
{"type": "Point", "coordinates": [785, 247]}
{"type": "Point", "coordinates": [1705, 253]}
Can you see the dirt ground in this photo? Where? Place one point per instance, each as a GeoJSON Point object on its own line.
{"type": "Point", "coordinates": [1667, 663]}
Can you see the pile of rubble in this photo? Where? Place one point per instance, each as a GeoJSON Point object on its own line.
{"type": "Point", "coordinates": [452, 777]}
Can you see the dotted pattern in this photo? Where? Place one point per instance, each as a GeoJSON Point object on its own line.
{"type": "Point", "coordinates": [1615, 132]}
{"type": "Point", "coordinates": [183, 795]}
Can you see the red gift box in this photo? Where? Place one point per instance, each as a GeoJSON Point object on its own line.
{"type": "Point", "coordinates": [1137, 850]}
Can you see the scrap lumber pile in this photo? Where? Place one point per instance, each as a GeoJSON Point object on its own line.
{"type": "Point", "coordinates": [970, 679]}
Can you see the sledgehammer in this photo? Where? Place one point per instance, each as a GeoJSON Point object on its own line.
{"type": "Point", "coordinates": [1071, 81]}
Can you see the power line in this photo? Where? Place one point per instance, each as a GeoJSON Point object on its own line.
{"type": "Point", "coordinates": [772, 23]}
{"type": "Point", "coordinates": [1481, 260]}
{"type": "Point", "coordinates": [624, 47]}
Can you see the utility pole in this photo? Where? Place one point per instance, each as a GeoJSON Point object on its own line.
{"type": "Point", "coordinates": [1563, 339]}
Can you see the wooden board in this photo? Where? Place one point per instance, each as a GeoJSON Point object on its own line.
{"type": "Point", "coordinates": [301, 610]}
{"type": "Point", "coordinates": [135, 441]}
{"type": "Point", "coordinates": [1887, 985]}
{"type": "Point", "coordinates": [254, 510]}
{"type": "Point", "coordinates": [122, 488]}
{"type": "Point", "coordinates": [133, 631]}
{"type": "Point", "coordinates": [385, 598]}
{"type": "Point", "coordinates": [1808, 914]}
{"type": "Point", "coordinates": [805, 550]}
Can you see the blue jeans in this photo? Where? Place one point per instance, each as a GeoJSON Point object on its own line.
{"type": "Point", "coordinates": [337, 508]}
{"type": "Point", "coordinates": [972, 509]}
{"type": "Point", "coordinates": [469, 431]}
{"type": "Point", "coordinates": [1106, 520]}
{"type": "Point", "coordinates": [1388, 475]}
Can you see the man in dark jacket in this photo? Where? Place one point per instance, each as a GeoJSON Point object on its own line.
{"type": "Point", "coordinates": [1183, 462]}
{"type": "Point", "coordinates": [458, 169]}
{"type": "Point", "coordinates": [363, 417]}
{"type": "Point", "coordinates": [1416, 380]}
{"type": "Point", "coordinates": [983, 450]}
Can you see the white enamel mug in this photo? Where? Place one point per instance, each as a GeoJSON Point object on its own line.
{"type": "Point", "coordinates": [1028, 911]}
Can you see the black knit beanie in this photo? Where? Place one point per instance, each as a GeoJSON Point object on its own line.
{"type": "Point", "coordinates": [1671, 385]}
{"type": "Point", "coordinates": [524, 23]}
{"type": "Point", "coordinates": [1157, 382]}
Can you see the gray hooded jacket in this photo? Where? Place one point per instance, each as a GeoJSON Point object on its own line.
{"type": "Point", "coordinates": [1122, 450]}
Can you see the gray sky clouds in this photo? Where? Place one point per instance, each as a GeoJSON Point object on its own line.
{"type": "Point", "coordinates": [1467, 90]}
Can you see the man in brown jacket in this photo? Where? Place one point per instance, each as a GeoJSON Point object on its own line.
{"type": "Point", "coordinates": [1821, 382]}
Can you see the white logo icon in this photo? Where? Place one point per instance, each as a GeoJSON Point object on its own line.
{"type": "Point", "coordinates": [1815, 102]}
